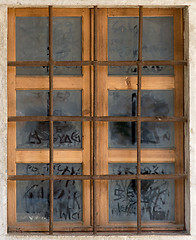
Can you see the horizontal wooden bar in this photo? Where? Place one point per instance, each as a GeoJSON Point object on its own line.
{"type": "Point", "coordinates": [43, 12]}
{"type": "Point", "coordinates": [100, 119]}
{"type": "Point", "coordinates": [147, 156]}
{"type": "Point", "coordinates": [95, 177]}
{"type": "Point", "coordinates": [42, 82]}
{"type": "Point", "coordinates": [148, 82]}
{"type": "Point", "coordinates": [134, 12]}
{"type": "Point", "coordinates": [113, 82]}
{"type": "Point", "coordinates": [42, 156]}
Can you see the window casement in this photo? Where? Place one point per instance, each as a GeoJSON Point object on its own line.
{"type": "Point", "coordinates": [95, 120]}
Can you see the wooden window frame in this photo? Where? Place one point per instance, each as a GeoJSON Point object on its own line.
{"type": "Point", "coordinates": [95, 155]}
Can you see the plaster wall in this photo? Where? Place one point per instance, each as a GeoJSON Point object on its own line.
{"type": "Point", "coordinates": [190, 109]}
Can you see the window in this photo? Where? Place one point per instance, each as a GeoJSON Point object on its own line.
{"type": "Point", "coordinates": [95, 120]}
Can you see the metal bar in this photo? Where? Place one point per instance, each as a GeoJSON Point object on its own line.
{"type": "Point", "coordinates": [101, 63]}
{"type": "Point", "coordinates": [101, 119]}
{"type": "Point", "coordinates": [73, 63]}
{"type": "Point", "coordinates": [91, 114]}
{"type": "Point", "coordinates": [95, 125]}
{"type": "Point", "coordinates": [139, 122]}
{"type": "Point", "coordinates": [28, 63]}
{"type": "Point", "coordinates": [51, 114]}
{"type": "Point", "coordinates": [96, 177]}
{"type": "Point", "coordinates": [48, 118]}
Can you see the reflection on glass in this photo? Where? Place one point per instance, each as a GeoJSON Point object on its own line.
{"type": "Point", "coordinates": [153, 103]}
{"type": "Point", "coordinates": [32, 43]}
{"type": "Point", "coordinates": [32, 197]}
{"type": "Point", "coordinates": [157, 196]}
{"type": "Point", "coordinates": [158, 42]}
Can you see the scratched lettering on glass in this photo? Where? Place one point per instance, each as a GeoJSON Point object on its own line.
{"type": "Point", "coordinates": [33, 196]}
{"type": "Point", "coordinates": [32, 44]}
{"type": "Point", "coordinates": [157, 196]}
{"type": "Point", "coordinates": [158, 40]}
{"type": "Point", "coordinates": [153, 103]}
{"type": "Point", "coordinates": [36, 134]}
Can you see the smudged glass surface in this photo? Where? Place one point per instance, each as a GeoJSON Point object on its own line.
{"type": "Point", "coordinates": [153, 103]}
{"type": "Point", "coordinates": [36, 102]}
{"type": "Point", "coordinates": [32, 197]}
{"type": "Point", "coordinates": [32, 43]}
{"type": "Point", "coordinates": [36, 134]}
{"type": "Point", "coordinates": [157, 196]}
{"type": "Point", "coordinates": [123, 33]}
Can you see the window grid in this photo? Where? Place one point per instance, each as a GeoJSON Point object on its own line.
{"type": "Point", "coordinates": [94, 119]}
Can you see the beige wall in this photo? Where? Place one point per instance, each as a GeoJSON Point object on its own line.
{"type": "Point", "coordinates": [190, 107]}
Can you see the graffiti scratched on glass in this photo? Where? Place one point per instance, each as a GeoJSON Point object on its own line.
{"type": "Point", "coordinates": [33, 196]}
{"type": "Point", "coordinates": [157, 196]}
{"type": "Point", "coordinates": [36, 134]}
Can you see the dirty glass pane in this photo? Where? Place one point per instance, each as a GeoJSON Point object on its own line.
{"type": "Point", "coordinates": [158, 42]}
{"type": "Point", "coordinates": [157, 196]}
{"type": "Point", "coordinates": [32, 197]}
{"type": "Point", "coordinates": [32, 43]}
{"type": "Point", "coordinates": [36, 134]}
{"type": "Point", "coordinates": [67, 43]}
{"type": "Point", "coordinates": [36, 102]}
{"type": "Point", "coordinates": [158, 38]}
{"type": "Point", "coordinates": [153, 103]}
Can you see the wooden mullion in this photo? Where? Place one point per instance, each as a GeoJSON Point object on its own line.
{"type": "Point", "coordinates": [86, 112]}
{"type": "Point", "coordinates": [179, 134]}
{"type": "Point", "coordinates": [11, 112]}
{"type": "Point", "coordinates": [102, 110]}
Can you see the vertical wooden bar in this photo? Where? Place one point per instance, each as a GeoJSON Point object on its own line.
{"type": "Point", "coordinates": [11, 158]}
{"type": "Point", "coordinates": [86, 112]}
{"type": "Point", "coordinates": [51, 114]}
{"type": "Point", "coordinates": [102, 110]}
{"type": "Point", "coordinates": [179, 111]}
{"type": "Point", "coordinates": [139, 122]}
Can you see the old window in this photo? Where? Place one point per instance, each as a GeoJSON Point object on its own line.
{"type": "Point", "coordinates": [95, 111]}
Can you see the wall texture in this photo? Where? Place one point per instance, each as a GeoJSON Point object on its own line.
{"type": "Point", "coordinates": [190, 103]}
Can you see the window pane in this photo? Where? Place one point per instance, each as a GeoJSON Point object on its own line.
{"type": "Point", "coordinates": [32, 39]}
{"type": "Point", "coordinates": [157, 103]}
{"type": "Point", "coordinates": [36, 102]}
{"type": "Point", "coordinates": [36, 134]}
{"type": "Point", "coordinates": [33, 196]}
{"type": "Point", "coordinates": [157, 196]}
{"type": "Point", "coordinates": [32, 43]}
{"type": "Point", "coordinates": [153, 103]}
{"type": "Point", "coordinates": [158, 38]}
{"type": "Point", "coordinates": [67, 43]}
{"type": "Point", "coordinates": [158, 41]}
